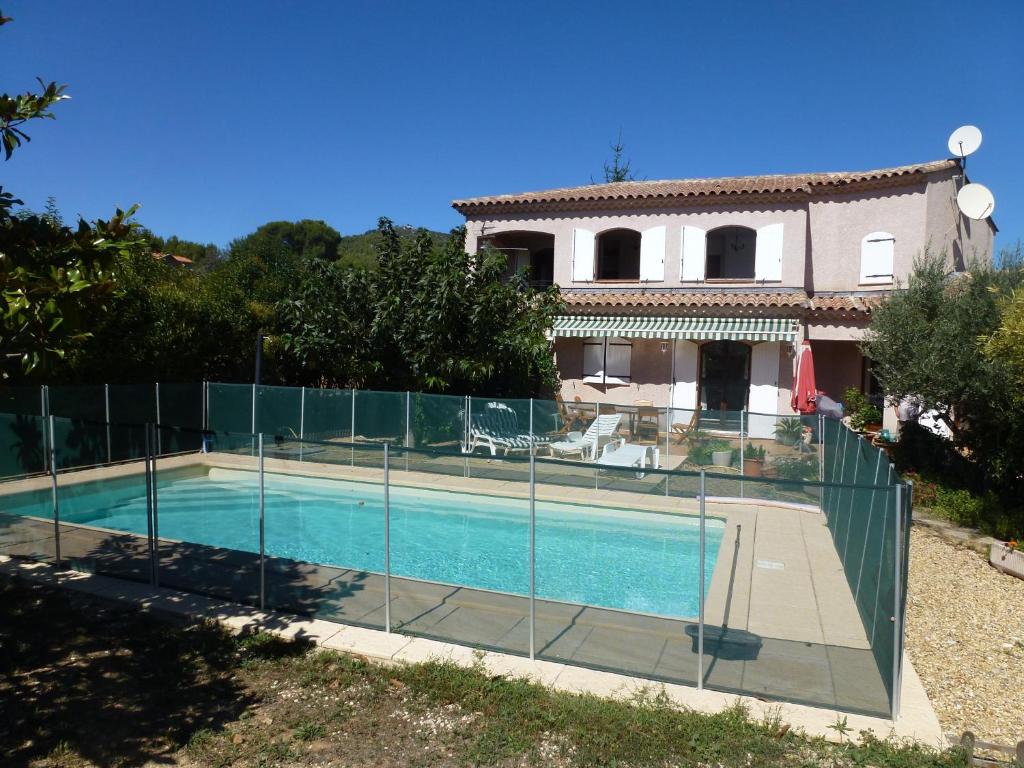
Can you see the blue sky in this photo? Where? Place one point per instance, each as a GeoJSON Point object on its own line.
{"type": "Point", "coordinates": [217, 117]}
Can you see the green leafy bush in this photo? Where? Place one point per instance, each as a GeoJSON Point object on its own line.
{"type": "Point", "coordinates": [860, 410]}
{"type": "Point", "coordinates": [789, 431]}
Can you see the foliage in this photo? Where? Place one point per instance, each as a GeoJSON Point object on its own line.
{"type": "Point", "coordinates": [430, 319]}
{"type": "Point", "coordinates": [796, 467]}
{"type": "Point", "coordinates": [928, 342]}
{"type": "Point", "coordinates": [202, 256]}
{"type": "Point", "coordinates": [702, 447]}
{"type": "Point", "coordinates": [753, 452]}
{"type": "Point", "coordinates": [788, 431]}
{"type": "Point", "coordinates": [50, 274]}
{"type": "Point", "coordinates": [861, 411]}
{"type": "Point", "coordinates": [17, 110]}
{"type": "Point", "coordinates": [1005, 347]}
{"type": "Point", "coordinates": [620, 169]}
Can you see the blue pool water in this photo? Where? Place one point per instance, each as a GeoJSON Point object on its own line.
{"type": "Point", "coordinates": [611, 558]}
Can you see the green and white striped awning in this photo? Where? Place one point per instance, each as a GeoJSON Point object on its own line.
{"type": "Point", "coordinates": [735, 328]}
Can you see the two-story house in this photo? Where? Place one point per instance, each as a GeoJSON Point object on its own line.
{"type": "Point", "coordinates": [697, 292]}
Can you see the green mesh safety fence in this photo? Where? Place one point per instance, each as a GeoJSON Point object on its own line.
{"type": "Point", "coordinates": [22, 444]}
{"type": "Point", "coordinates": [24, 400]}
{"type": "Point", "coordinates": [380, 416]}
{"type": "Point", "coordinates": [230, 407]}
{"type": "Point", "coordinates": [861, 512]}
{"type": "Point", "coordinates": [279, 411]}
{"type": "Point", "coordinates": [437, 422]}
{"type": "Point", "coordinates": [327, 414]}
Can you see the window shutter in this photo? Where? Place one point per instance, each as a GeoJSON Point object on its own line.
{"type": "Point", "coordinates": [593, 359]}
{"type": "Point", "coordinates": [763, 400]}
{"type": "Point", "coordinates": [876, 258]}
{"type": "Point", "coordinates": [617, 361]}
{"type": "Point", "coordinates": [768, 253]}
{"type": "Point", "coordinates": [582, 256]}
{"type": "Point", "coordinates": [692, 254]}
{"type": "Point", "coordinates": [652, 254]}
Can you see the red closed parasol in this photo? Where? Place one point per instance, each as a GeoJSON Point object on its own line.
{"type": "Point", "coordinates": [804, 388]}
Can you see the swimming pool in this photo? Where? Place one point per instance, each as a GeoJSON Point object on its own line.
{"type": "Point", "coordinates": [613, 558]}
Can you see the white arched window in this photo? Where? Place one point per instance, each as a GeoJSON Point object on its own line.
{"type": "Point", "coordinates": [876, 258]}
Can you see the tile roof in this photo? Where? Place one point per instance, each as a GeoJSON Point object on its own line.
{"type": "Point", "coordinates": [693, 190]}
{"type": "Point", "coordinates": [596, 300]}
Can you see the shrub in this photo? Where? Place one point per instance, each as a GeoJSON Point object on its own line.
{"type": "Point", "coordinates": [860, 410]}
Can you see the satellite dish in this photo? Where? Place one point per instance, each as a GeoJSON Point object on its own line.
{"type": "Point", "coordinates": [975, 201]}
{"type": "Point", "coordinates": [964, 141]}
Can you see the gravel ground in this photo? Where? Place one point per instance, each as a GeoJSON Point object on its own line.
{"type": "Point", "coordinates": [965, 637]}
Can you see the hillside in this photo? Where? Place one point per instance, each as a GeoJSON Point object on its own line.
{"type": "Point", "coordinates": [360, 250]}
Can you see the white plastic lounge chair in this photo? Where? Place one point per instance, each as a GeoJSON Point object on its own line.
{"type": "Point", "coordinates": [496, 427]}
{"type": "Point", "coordinates": [619, 453]}
{"type": "Point", "coordinates": [599, 433]}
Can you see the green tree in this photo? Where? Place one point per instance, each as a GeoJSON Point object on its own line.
{"type": "Point", "coordinates": [620, 168]}
{"type": "Point", "coordinates": [49, 273]}
{"type": "Point", "coordinates": [926, 342]}
{"type": "Point", "coordinates": [428, 318]}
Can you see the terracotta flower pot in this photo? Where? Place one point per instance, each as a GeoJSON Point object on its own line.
{"type": "Point", "coordinates": [753, 467]}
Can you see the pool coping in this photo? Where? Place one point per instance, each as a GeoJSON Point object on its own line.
{"type": "Point", "coordinates": [917, 720]}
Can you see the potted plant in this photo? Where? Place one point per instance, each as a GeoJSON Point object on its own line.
{"type": "Point", "coordinates": [753, 460]}
{"type": "Point", "coordinates": [1008, 557]}
{"type": "Point", "coordinates": [721, 453]}
{"type": "Point", "coordinates": [789, 431]}
{"type": "Point", "coordinates": [864, 416]}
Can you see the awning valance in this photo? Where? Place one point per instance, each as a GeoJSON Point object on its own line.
{"type": "Point", "coordinates": [735, 328]}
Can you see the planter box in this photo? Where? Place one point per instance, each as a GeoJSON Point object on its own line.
{"type": "Point", "coordinates": [1007, 560]}
{"type": "Point", "coordinates": [722, 458]}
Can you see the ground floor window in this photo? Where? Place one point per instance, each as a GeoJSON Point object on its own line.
{"type": "Point", "coordinates": [607, 360]}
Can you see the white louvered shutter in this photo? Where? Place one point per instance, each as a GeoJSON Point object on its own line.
{"type": "Point", "coordinates": [768, 253]}
{"type": "Point", "coordinates": [652, 254]}
{"type": "Point", "coordinates": [582, 255]}
{"type": "Point", "coordinates": [692, 254]}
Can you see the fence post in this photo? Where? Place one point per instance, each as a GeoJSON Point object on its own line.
{"type": "Point", "coordinates": [533, 555]}
{"type": "Point", "coordinates": [897, 600]}
{"type": "Point", "coordinates": [408, 427]}
{"type": "Point", "coordinates": [668, 434]}
{"type": "Point", "coordinates": [700, 579]}
{"type": "Point", "coordinates": [352, 427]}
{"type": "Point", "coordinates": [263, 584]}
{"type": "Point", "coordinates": [158, 421]}
{"type": "Point", "coordinates": [149, 505]}
{"type": "Point", "coordinates": [47, 439]}
{"type": "Point", "coordinates": [821, 462]}
{"type": "Point", "coordinates": [302, 420]}
{"type": "Point", "coordinates": [468, 410]}
{"type": "Point", "coordinates": [387, 540]}
{"type": "Point", "coordinates": [156, 514]}
{"type": "Point", "coordinates": [106, 402]}
{"type": "Point", "coordinates": [53, 488]}
{"type": "Point", "coordinates": [533, 443]}
{"type": "Point", "coordinates": [743, 445]}
{"type": "Point", "coordinates": [206, 406]}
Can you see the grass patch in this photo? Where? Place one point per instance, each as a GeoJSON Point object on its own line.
{"type": "Point", "coordinates": [126, 688]}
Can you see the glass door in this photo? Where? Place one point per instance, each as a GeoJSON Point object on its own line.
{"type": "Point", "coordinates": [724, 384]}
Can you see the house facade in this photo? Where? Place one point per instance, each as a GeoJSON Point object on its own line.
{"type": "Point", "coordinates": [696, 293]}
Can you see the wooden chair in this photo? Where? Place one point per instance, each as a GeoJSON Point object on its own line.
{"type": "Point", "coordinates": [682, 431]}
{"type": "Point", "coordinates": [646, 420]}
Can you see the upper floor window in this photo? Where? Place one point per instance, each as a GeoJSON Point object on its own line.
{"type": "Point", "coordinates": [618, 255]}
{"type": "Point", "coordinates": [529, 252]}
{"type": "Point", "coordinates": [731, 254]}
{"type": "Point", "coordinates": [876, 258]}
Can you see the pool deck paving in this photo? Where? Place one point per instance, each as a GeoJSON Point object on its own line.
{"type": "Point", "coordinates": [780, 618]}
{"type": "Point", "coordinates": [917, 719]}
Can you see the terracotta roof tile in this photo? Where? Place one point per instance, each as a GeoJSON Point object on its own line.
{"type": "Point", "coordinates": [688, 299]}
{"type": "Point", "coordinates": [779, 184]}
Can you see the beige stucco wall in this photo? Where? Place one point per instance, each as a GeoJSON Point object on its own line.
{"type": "Point", "coordinates": [959, 239]}
{"type": "Point", "coordinates": [651, 371]}
{"type": "Point", "coordinates": [793, 217]}
{"type": "Point", "coordinates": [837, 365]}
{"type": "Point", "coordinates": [839, 223]}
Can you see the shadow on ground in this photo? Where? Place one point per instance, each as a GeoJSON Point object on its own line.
{"type": "Point", "coordinates": [81, 676]}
